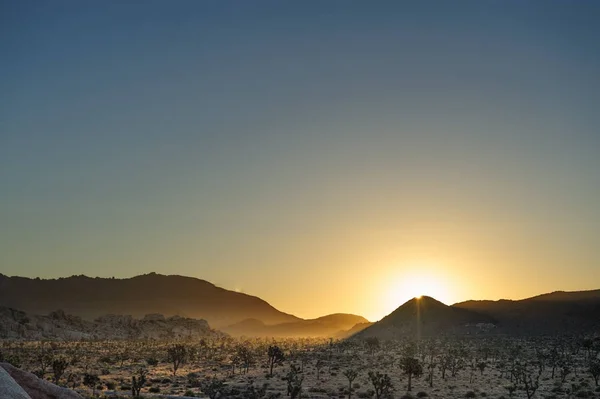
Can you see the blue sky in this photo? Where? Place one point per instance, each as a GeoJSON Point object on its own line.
{"type": "Point", "coordinates": [252, 142]}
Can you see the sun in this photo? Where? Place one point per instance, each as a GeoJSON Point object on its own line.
{"type": "Point", "coordinates": [419, 285]}
{"type": "Point", "coordinates": [416, 282]}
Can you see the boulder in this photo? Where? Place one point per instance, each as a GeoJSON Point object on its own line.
{"type": "Point", "coordinates": [9, 388]}
{"type": "Point", "coordinates": [35, 387]}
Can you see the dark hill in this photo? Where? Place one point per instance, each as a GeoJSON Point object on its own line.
{"type": "Point", "coordinates": [137, 296]}
{"type": "Point", "coordinates": [426, 316]}
{"type": "Point", "coordinates": [333, 325]}
{"type": "Point", "coordinates": [554, 313]}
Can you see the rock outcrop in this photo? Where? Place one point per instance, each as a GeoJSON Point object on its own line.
{"type": "Point", "coordinates": [9, 388]}
{"type": "Point", "coordinates": [15, 324]}
{"type": "Point", "coordinates": [32, 386]}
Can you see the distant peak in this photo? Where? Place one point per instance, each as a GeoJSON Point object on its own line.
{"type": "Point", "coordinates": [424, 299]}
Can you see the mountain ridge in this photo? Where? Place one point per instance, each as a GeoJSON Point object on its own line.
{"type": "Point", "coordinates": [333, 325]}
{"type": "Point", "coordinates": [91, 297]}
{"type": "Point", "coordinates": [425, 316]}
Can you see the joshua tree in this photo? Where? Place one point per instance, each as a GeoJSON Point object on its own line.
{"type": "Point", "coordinates": [431, 351]}
{"type": "Point", "coordinates": [554, 359]}
{"type": "Point", "coordinates": [176, 355]}
{"type": "Point", "coordinates": [411, 367]}
{"type": "Point", "coordinates": [565, 368]}
{"type": "Point", "coordinates": [137, 382]}
{"type": "Point", "coordinates": [351, 375]}
{"type": "Point", "coordinates": [122, 356]}
{"type": "Point", "coordinates": [319, 365]}
{"type": "Point", "coordinates": [276, 356]}
{"type": "Point", "coordinates": [44, 359]}
{"type": "Point", "coordinates": [303, 356]}
{"type": "Point", "coordinates": [594, 370]}
{"type": "Point", "coordinates": [245, 356]}
{"type": "Point", "coordinates": [90, 381]}
{"type": "Point", "coordinates": [372, 344]}
{"type": "Point", "coordinates": [382, 384]}
{"type": "Point", "coordinates": [529, 379]}
{"type": "Point", "coordinates": [481, 366]}
{"type": "Point", "coordinates": [294, 382]}
{"type": "Point", "coordinates": [58, 368]}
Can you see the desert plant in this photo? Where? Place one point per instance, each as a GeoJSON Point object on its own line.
{"type": "Point", "coordinates": [382, 384]}
{"type": "Point", "coordinates": [245, 356]}
{"type": "Point", "coordinates": [138, 381]}
{"type": "Point", "coordinates": [253, 392]}
{"type": "Point", "coordinates": [594, 370]}
{"type": "Point", "coordinates": [294, 382]}
{"type": "Point", "coordinates": [351, 375]}
{"type": "Point", "coordinates": [44, 358]}
{"type": "Point", "coordinates": [176, 355]}
{"type": "Point", "coordinates": [372, 344]}
{"type": "Point", "coordinates": [59, 366]}
{"type": "Point", "coordinates": [481, 366]}
{"type": "Point", "coordinates": [528, 378]}
{"type": "Point", "coordinates": [275, 356]}
{"type": "Point", "coordinates": [214, 388]}
{"type": "Point", "coordinates": [91, 381]}
{"type": "Point", "coordinates": [411, 367]}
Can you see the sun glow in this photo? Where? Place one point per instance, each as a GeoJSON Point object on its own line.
{"type": "Point", "coordinates": [415, 281]}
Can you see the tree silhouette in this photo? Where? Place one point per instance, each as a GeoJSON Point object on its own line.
{"type": "Point", "coordinates": [58, 368]}
{"type": "Point", "coordinates": [176, 355]}
{"type": "Point", "coordinates": [91, 380]}
{"type": "Point", "coordinates": [411, 367]}
{"type": "Point", "coordinates": [382, 384]}
{"type": "Point", "coordinates": [372, 344]}
{"type": "Point", "coordinates": [276, 356]}
{"type": "Point", "coordinates": [594, 370]}
{"type": "Point", "coordinates": [137, 382]}
{"type": "Point", "coordinates": [294, 382]}
{"type": "Point", "coordinates": [351, 375]}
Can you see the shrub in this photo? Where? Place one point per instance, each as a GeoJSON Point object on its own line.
{"type": "Point", "coordinates": [422, 394]}
{"type": "Point", "coordinates": [470, 394]}
{"type": "Point", "coordinates": [154, 390]}
{"type": "Point", "coordinates": [152, 361]}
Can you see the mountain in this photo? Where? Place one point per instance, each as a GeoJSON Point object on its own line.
{"type": "Point", "coordinates": [90, 298]}
{"type": "Point", "coordinates": [554, 313]}
{"type": "Point", "coordinates": [426, 316]}
{"type": "Point", "coordinates": [334, 325]}
{"type": "Point", "coordinates": [15, 324]}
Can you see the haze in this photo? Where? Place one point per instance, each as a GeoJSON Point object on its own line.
{"type": "Point", "coordinates": [324, 156]}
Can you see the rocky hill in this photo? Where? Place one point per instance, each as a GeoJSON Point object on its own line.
{"type": "Point", "coordinates": [426, 316]}
{"type": "Point", "coordinates": [15, 324]}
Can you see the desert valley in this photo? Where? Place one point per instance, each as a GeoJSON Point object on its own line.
{"type": "Point", "coordinates": [100, 338]}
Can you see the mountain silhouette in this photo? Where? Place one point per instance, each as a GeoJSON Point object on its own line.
{"type": "Point", "coordinates": [426, 316]}
{"type": "Point", "coordinates": [90, 298]}
{"type": "Point", "coordinates": [558, 312]}
{"type": "Point", "coordinates": [334, 325]}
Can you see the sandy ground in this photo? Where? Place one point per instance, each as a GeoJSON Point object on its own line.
{"type": "Point", "coordinates": [215, 361]}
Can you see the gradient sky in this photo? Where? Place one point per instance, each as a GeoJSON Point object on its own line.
{"type": "Point", "coordinates": [332, 156]}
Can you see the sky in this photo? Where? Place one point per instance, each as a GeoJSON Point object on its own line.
{"type": "Point", "coordinates": [339, 156]}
